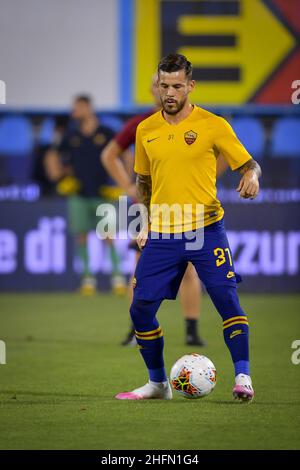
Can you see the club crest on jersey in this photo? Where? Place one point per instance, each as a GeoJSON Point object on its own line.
{"type": "Point", "coordinates": [99, 139]}
{"type": "Point", "coordinates": [190, 137]}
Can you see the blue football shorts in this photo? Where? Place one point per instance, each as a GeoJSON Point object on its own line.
{"type": "Point", "coordinates": [163, 262]}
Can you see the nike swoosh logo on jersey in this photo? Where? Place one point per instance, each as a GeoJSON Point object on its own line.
{"type": "Point", "coordinates": [150, 140]}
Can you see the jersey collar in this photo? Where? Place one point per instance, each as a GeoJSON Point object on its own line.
{"type": "Point", "coordinates": [187, 119]}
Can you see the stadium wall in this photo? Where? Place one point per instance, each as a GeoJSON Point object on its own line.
{"type": "Point", "coordinates": [243, 51]}
{"type": "Point", "coordinates": [52, 50]}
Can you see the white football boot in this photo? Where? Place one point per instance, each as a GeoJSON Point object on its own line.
{"type": "Point", "coordinates": [158, 390]}
{"type": "Point", "coordinates": [243, 390]}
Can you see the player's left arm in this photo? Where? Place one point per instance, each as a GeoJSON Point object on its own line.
{"type": "Point", "coordinates": [249, 183]}
{"type": "Point", "coordinates": [237, 158]}
{"type": "Point", "coordinates": [222, 166]}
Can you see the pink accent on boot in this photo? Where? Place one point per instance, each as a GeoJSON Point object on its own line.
{"type": "Point", "coordinates": [242, 392]}
{"type": "Point", "coordinates": [128, 396]}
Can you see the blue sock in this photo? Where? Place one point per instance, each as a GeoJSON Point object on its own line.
{"type": "Point", "coordinates": [237, 340]}
{"type": "Point", "coordinates": [149, 337]}
{"type": "Point", "coordinates": [235, 326]}
{"type": "Point", "coordinates": [242, 367]}
{"type": "Point", "coordinates": [157, 375]}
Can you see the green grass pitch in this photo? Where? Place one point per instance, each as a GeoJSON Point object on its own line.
{"type": "Point", "coordinates": [64, 366]}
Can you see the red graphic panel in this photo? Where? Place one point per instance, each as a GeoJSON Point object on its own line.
{"type": "Point", "coordinates": [278, 88]}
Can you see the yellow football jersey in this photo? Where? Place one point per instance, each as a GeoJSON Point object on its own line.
{"type": "Point", "coordinates": [181, 160]}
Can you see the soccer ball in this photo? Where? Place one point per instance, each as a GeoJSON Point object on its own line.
{"type": "Point", "coordinates": [193, 376]}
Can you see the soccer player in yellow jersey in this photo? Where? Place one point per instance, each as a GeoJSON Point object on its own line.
{"type": "Point", "coordinates": [175, 162]}
{"type": "Point", "coordinates": [190, 288]}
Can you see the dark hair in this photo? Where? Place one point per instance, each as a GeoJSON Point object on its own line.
{"type": "Point", "coordinates": [175, 62]}
{"type": "Point", "coordinates": [85, 98]}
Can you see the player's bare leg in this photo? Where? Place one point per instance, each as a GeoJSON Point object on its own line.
{"type": "Point", "coordinates": [190, 298]}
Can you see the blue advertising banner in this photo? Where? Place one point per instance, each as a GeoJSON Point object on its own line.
{"type": "Point", "coordinates": [36, 249]}
{"type": "Point", "coordinates": [265, 243]}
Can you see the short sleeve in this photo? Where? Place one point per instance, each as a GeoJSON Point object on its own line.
{"type": "Point", "coordinates": [126, 136]}
{"type": "Point", "coordinates": [141, 163]}
{"type": "Point", "coordinates": [229, 145]}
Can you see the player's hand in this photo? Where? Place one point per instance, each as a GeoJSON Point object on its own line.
{"type": "Point", "coordinates": [142, 238]}
{"type": "Point", "coordinates": [67, 186]}
{"type": "Point", "coordinates": [131, 191]}
{"type": "Point", "coordinates": [249, 185]}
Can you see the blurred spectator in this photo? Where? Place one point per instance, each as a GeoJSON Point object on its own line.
{"type": "Point", "coordinates": [47, 168]}
{"type": "Point", "coordinates": [83, 179]}
{"type": "Point", "coordinates": [53, 168]}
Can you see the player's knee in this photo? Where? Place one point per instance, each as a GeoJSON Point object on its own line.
{"type": "Point", "coordinates": [134, 312]}
{"type": "Point", "coordinates": [143, 312]}
{"type": "Point", "coordinates": [138, 312]}
{"type": "Point", "coordinates": [226, 301]}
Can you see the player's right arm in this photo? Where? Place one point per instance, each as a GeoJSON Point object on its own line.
{"type": "Point", "coordinates": [111, 161]}
{"type": "Point", "coordinates": [144, 184]}
{"type": "Point", "coordinates": [144, 192]}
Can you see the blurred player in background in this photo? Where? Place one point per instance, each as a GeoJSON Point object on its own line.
{"type": "Point", "coordinates": [190, 289]}
{"type": "Point", "coordinates": [175, 162]}
{"type": "Point", "coordinates": [85, 182]}
{"type": "Point", "coordinates": [47, 167]}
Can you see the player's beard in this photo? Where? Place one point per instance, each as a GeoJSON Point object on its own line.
{"type": "Point", "coordinates": [176, 108]}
